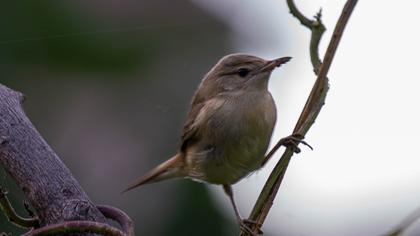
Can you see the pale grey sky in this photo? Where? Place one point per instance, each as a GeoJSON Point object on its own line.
{"type": "Point", "coordinates": [362, 177]}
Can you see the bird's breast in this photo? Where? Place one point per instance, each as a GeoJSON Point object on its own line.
{"type": "Point", "coordinates": [237, 138]}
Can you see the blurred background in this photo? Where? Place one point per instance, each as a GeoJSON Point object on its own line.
{"type": "Point", "coordinates": [109, 84]}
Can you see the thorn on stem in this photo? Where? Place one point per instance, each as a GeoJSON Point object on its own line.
{"type": "Point", "coordinates": [318, 15]}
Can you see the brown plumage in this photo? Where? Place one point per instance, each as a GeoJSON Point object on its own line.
{"type": "Point", "coordinates": [228, 127]}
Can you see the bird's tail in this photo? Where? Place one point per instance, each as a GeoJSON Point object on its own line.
{"type": "Point", "coordinates": [167, 170]}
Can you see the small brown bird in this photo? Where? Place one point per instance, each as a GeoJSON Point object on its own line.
{"type": "Point", "coordinates": [228, 128]}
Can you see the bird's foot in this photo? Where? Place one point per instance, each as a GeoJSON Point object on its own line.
{"type": "Point", "coordinates": [292, 141]}
{"type": "Point", "coordinates": [246, 225]}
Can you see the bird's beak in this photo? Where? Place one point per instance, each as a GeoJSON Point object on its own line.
{"type": "Point", "coordinates": [270, 65]}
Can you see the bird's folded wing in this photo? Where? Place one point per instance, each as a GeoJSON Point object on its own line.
{"type": "Point", "coordinates": [197, 120]}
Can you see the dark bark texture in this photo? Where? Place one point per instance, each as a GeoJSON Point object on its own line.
{"type": "Point", "coordinates": [46, 181]}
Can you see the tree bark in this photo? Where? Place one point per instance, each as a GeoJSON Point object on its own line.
{"type": "Point", "coordinates": [38, 171]}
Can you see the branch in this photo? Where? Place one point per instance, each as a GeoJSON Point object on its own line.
{"type": "Point", "coordinates": [120, 217]}
{"type": "Point", "coordinates": [407, 222]}
{"type": "Point", "coordinates": [317, 30]}
{"type": "Point", "coordinates": [47, 183]}
{"type": "Point", "coordinates": [71, 227]}
{"type": "Point", "coordinates": [310, 111]}
{"type": "Point", "coordinates": [11, 214]}
{"type": "Point", "coordinates": [90, 226]}
{"type": "Point", "coordinates": [60, 202]}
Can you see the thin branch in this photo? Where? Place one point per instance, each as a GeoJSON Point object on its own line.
{"type": "Point", "coordinates": [296, 13]}
{"type": "Point", "coordinates": [407, 222]}
{"type": "Point", "coordinates": [317, 30]}
{"type": "Point", "coordinates": [119, 216]}
{"type": "Point", "coordinates": [311, 110]}
{"type": "Point", "coordinates": [317, 97]}
{"type": "Point", "coordinates": [11, 214]}
{"type": "Point", "coordinates": [70, 227]}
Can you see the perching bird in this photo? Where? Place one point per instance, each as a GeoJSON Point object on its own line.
{"type": "Point", "coordinates": [228, 128]}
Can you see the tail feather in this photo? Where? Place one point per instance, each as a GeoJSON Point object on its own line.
{"type": "Point", "coordinates": [167, 170]}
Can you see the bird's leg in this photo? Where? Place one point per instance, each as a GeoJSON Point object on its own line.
{"type": "Point", "coordinates": [293, 141]}
{"type": "Point", "coordinates": [243, 223]}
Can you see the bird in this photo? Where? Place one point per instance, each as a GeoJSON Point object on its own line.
{"type": "Point", "coordinates": [228, 127]}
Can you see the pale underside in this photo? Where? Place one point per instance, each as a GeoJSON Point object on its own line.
{"type": "Point", "coordinates": [233, 136]}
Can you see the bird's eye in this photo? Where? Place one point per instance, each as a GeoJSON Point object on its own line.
{"type": "Point", "coordinates": [242, 72]}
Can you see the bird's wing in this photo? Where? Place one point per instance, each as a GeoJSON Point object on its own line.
{"type": "Point", "coordinates": [201, 111]}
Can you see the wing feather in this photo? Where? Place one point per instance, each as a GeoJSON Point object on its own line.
{"type": "Point", "coordinates": [197, 120]}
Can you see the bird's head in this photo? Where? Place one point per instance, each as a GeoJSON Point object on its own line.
{"type": "Point", "coordinates": [238, 71]}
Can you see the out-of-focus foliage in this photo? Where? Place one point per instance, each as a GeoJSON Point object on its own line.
{"type": "Point", "coordinates": [196, 214]}
{"type": "Point", "coordinates": [59, 36]}
{"type": "Point", "coordinates": [108, 85]}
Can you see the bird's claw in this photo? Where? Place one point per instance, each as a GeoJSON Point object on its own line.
{"type": "Point", "coordinates": [292, 141]}
{"type": "Point", "coordinates": [247, 224]}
